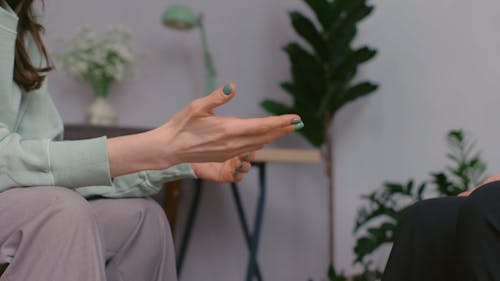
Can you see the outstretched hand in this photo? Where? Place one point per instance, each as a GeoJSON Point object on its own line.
{"type": "Point", "coordinates": [196, 134]}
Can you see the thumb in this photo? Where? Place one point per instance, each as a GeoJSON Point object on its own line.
{"type": "Point", "coordinates": [218, 97]}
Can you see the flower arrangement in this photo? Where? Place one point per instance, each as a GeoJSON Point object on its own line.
{"type": "Point", "coordinates": [100, 61]}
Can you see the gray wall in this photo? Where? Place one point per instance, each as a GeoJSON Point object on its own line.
{"type": "Point", "coordinates": [438, 67]}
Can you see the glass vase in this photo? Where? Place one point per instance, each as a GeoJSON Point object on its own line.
{"type": "Point", "coordinates": [101, 113]}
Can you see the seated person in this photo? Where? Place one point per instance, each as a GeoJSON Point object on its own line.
{"type": "Point", "coordinates": [450, 239]}
{"type": "Point", "coordinates": [48, 230]}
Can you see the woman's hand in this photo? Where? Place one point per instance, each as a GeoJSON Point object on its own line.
{"type": "Point", "coordinates": [232, 170]}
{"type": "Point", "coordinates": [488, 180]}
{"type": "Point", "coordinates": [196, 135]}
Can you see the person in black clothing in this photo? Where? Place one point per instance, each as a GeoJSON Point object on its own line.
{"type": "Point", "coordinates": [450, 239]}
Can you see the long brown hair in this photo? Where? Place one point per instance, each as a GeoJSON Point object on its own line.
{"type": "Point", "coordinates": [27, 75]}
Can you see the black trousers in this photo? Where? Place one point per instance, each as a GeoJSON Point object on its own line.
{"type": "Point", "coordinates": [449, 239]}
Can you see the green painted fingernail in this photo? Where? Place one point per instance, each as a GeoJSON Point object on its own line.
{"type": "Point", "coordinates": [299, 126]}
{"type": "Point", "coordinates": [295, 121]}
{"type": "Point", "coordinates": [227, 89]}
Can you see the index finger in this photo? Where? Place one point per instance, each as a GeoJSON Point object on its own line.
{"type": "Point", "coordinates": [263, 125]}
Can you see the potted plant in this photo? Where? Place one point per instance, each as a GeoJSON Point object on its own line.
{"type": "Point", "coordinates": [101, 62]}
{"type": "Point", "coordinates": [324, 75]}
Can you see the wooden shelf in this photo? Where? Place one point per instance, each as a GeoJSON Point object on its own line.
{"type": "Point", "coordinates": [297, 156]}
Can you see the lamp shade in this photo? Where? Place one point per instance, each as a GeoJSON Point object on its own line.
{"type": "Point", "coordinates": [179, 17]}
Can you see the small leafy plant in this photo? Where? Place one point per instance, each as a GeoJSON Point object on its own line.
{"type": "Point", "coordinates": [378, 221]}
{"type": "Point", "coordinates": [102, 62]}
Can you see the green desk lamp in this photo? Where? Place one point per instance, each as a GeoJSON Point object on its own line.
{"type": "Point", "coordinates": [180, 17]}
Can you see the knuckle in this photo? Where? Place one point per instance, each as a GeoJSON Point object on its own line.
{"type": "Point", "coordinates": [226, 131]}
{"type": "Point", "coordinates": [264, 128]}
{"type": "Point", "coordinates": [195, 105]}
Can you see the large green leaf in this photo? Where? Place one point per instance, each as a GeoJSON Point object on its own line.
{"type": "Point", "coordinates": [322, 9]}
{"type": "Point", "coordinates": [290, 88]}
{"type": "Point", "coordinates": [352, 61]}
{"type": "Point", "coordinates": [348, 12]}
{"type": "Point", "coordinates": [340, 9]}
{"type": "Point", "coordinates": [300, 100]}
{"type": "Point", "coordinates": [331, 98]}
{"type": "Point", "coordinates": [305, 28]}
{"type": "Point", "coordinates": [307, 71]}
{"type": "Point", "coordinates": [360, 90]}
{"type": "Point", "coordinates": [276, 108]}
{"type": "Point", "coordinates": [314, 129]}
{"type": "Point", "coordinates": [315, 136]}
{"type": "Point", "coordinates": [343, 32]}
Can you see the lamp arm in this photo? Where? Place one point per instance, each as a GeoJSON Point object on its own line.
{"type": "Point", "coordinates": [210, 73]}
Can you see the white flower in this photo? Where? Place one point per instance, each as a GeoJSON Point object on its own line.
{"type": "Point", "coordinates": [107, 59]}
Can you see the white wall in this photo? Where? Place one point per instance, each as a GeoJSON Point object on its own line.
{"type": "Point", "coordinates": [438, 68]}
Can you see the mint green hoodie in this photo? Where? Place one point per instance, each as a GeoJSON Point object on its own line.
{"type": "Point", "coordinates": [32, 150]}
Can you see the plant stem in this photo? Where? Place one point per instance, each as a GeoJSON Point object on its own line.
{"type": "Point", "coordinates": [328, 158]}
{"type": "Point", "coordinates": [100, 86]}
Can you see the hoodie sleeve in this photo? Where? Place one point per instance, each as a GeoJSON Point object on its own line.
{"type": "Point", "coordinates": [44, 162]}
{"type": "Point", "coordinates": [140, 184]}
{"type": "Point", "coordinates": [39, 160]}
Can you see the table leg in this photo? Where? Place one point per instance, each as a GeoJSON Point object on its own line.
{"type": "Point", "coordinates": [259, 215]}
{"type": "Point", "coordinates": [188, 229]}
{"type": "Point", "coordinates": [244, 224]}
{"type": "Point", "coordinates": [252, 240]}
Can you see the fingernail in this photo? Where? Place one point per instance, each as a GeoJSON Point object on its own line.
{"type": "Point", "coordinates": [227, 89]}
{"type": "Point", "coordinates": [295, 121]}
{"type": "Point", "coordinates": [299, 126]}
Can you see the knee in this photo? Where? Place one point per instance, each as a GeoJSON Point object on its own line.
{"type": "Point", "coordinates": [154, 212]}
{"type": "Point", "coordinates": [69, 208]}
{"type": "Point", "coordinates": [151, 222]}
{"type": "Point", "coordinates": [148, 212]}
{"type": "Point", "coordinates": [481, 204]}
{"type": "Point", "coordinates": [419, 211]}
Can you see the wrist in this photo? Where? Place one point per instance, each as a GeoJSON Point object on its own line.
{"type": "Point", "coordinates": [139, 152]}
{"type": "Point", "coordinates": [163, 154]}
{"type": "Point", "coordinates": [194, 168]}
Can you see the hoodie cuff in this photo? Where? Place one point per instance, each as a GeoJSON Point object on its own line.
{"type": "Point", "coordinates": [178, 172]}
{"type": "Point", "coordinates": [80, 163]}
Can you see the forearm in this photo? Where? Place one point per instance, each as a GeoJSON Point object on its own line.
{"type": "Point", "coordinates": [195, 134]}
{"type": "Point", "coordinates": [135, 153]}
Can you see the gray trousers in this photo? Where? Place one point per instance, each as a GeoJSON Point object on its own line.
{"type": "Point", "coordinates": [54, 234]}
